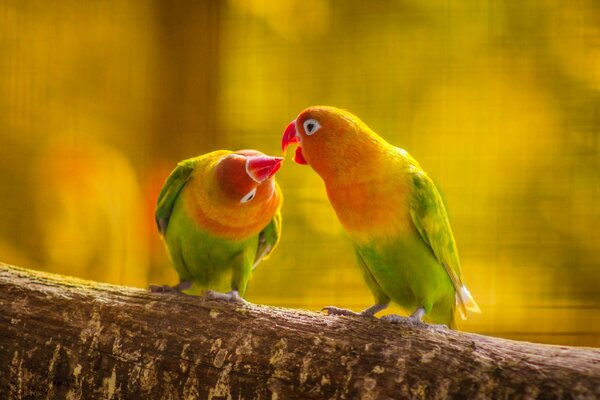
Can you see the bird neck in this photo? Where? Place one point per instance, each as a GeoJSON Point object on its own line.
{"type": "Point", "coordinates": [354, 163]}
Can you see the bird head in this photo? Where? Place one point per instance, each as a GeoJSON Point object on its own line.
{"type": "Point", "coordinates": [247, 176]}
{"type": "Point", "coordinates": [329, 139]}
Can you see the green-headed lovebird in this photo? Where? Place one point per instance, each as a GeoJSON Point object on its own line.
{"type": "Point", "coordinates": [219, 217]}
{"type": "Point", "coordinates": [392, 212]}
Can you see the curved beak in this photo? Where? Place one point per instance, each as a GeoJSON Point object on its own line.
{"type": "Point", "coordinates": [291, 136]}
{"type": "Point", "coordinates": [261, 168]}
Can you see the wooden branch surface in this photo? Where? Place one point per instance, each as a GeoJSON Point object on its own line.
{"type": "Point", "coordinates": [66, 338]}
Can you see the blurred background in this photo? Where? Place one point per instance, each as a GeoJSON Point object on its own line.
{"type": "Point", "coordinates": [498, 100]}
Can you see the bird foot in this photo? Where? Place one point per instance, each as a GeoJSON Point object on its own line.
{"type": "Point", "coordinates": [394, 318]}
{"type": "Point", "coordinates": [412, 320]}
{"type": "Point", "coordinates": [232, 296]}
{"type": "Point", "coordinates": [331, 310]}
{"type": "Point", "coordinates": [179, 288]}
{"type": "Point", "coordinates": [435, 326]}
{"type": "Point", "coordinates": [161, 289]}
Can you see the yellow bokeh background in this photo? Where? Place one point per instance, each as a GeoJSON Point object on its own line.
{"type": "Point", "coordinates": [498, 100]}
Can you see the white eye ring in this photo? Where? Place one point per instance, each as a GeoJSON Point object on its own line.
{"type": "Point", "coordinates": [249, 196]}
{"type": "Point", "coordinates": [311, 125]}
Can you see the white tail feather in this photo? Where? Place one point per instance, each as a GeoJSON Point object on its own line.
{"type": "Point", "coordinates": [464, 298]}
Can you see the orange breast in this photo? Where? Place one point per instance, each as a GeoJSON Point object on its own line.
{"type": "Point", "coordinates": [375, 209]}
{"type": "Point", "coordinates": [235, 225]}
{"type": "Point", "coordinates": [225, 219]}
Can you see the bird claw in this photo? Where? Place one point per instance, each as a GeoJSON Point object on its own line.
{"type": "Point", "coordinates": [394, 318]}
{"type": "Point", "coordinates": [159, 288]}
{"type": "Point", "coordinates": [331, 310]}
{"type": "Point", "coordinates": [412, 320]}
{"type": "Point", "coordinates": [436, 326]}
{"type": "Point", "coordinates": [179, 288]}
{"type": "Point", "coordinates": [232, 296]}
{"type": "Point", "coordinates": [163, 289]}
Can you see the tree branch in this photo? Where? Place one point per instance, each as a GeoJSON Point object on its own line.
{"type": "Point", "coordinates": [66, 338]}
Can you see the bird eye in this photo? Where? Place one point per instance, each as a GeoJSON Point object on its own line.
{"type": "Point", "coordinates": [311, 126]}
{"type": "Point", "coordinates": [249, 196]}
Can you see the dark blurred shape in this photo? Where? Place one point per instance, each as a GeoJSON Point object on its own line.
{"type": "Point", "coordinates": [89, 213]}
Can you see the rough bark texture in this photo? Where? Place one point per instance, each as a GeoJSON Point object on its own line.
{"type": "Point", "coordinates": [65, 338]}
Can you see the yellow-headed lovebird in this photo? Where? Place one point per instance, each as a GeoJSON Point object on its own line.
{"type": "Point", "coordinates": [219, 217]}
{"type": "Point", "coordinates": [392, 212]}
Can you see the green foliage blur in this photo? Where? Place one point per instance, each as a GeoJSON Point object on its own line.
{"type": "Point", "coordinates": [498, 100]}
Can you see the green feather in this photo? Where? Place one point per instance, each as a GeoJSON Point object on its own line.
{"type": "Point", "coordinates": [170, 192]}
{"type": "Point", "coordinates": [431, 220]}
{"type": "Point", "coordinates": [268, 239]}
{"type": "Point", "coordinates": [406, 271]}
{"type": "Point", "coordinates": [202, 257]}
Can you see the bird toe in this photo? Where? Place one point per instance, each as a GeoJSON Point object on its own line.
{"type": "Point", "coordinates": [332, 310]}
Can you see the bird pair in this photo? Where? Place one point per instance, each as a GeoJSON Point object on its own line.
{"type": "Point", "coordinates": [219, 216]}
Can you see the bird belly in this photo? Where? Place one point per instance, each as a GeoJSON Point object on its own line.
{"type": "Point", "coordinates": [409, 274]}
{"type": "Point", "coordinates": [201, 257]}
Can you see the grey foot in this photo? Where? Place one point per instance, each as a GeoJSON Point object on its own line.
{"type": "Point", "coordinates": [398, 319]}
{"type": "Point", "coordinates": [394, 318]}
{"type": "Point", "coordinates": [232, 296]}
{"type": "Point", "coordinates": [415, 319]}
{"type": "Point", "coordinates": [374, 309]}
{"type": "Point", "coordinates": [181, 286]}
{"type": "Point", "coordinates": [367, 312]}
{"type": "Point", "coordinates": [331, 310]}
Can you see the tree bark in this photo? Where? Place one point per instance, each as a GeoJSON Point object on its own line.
{"type": "Point", "coordinates": [67, 338]}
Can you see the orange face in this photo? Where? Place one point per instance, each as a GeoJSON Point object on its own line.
{"type": "Point", "coordinates": [247, 176]}
{"type": "Point", "coordinates": [235, 195]}
{"type": "Point", "coordinates": [330, 139]}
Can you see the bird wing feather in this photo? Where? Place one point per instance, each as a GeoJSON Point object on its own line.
{"type": "Point", "coordinates": [170, 192]}
{"type": "Point", "coordinates": [268, 239]}
{"type": "Point", "coordinates": [431, 220]}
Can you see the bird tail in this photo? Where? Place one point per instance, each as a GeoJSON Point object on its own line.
{"type": "Point", "coordinates": [465, 302]}
{"type": "Point", "coordinates": [451, 323]}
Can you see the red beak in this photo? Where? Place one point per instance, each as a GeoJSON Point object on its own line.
{"type": "Point", "coordinates": [261, 168]}
{"type": "Point", "coordinates": [290, 136]}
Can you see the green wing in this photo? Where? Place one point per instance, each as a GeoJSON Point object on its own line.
{"type": "Point", "coordinates": [268, 239]}
{"type": "Point", "coordinates": [431, 220]}
{"type": "Point", "coordinates": [169, 193]}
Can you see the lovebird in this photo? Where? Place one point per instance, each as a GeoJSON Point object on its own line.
{"type": "Point", "coordinates": [219, 217]}
{"type": "Point", "coordinates": [392, 212]}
